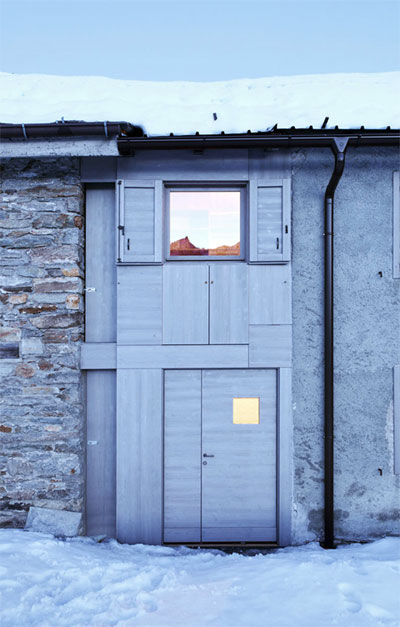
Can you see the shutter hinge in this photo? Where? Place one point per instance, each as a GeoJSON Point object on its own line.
{"type": "Point", "coordinates": [121, 228]}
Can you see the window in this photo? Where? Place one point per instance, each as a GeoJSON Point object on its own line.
{"type": "Point", "coordinates": [205, 223]}
{"type": "Point", "coordinates": [158, 220]}
{"type": "Point", "coordinates": [246, 411]}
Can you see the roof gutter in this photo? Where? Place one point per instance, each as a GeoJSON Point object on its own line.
{"type": "Point", "coordinates": [281, 138]}
{"type": "Point", "coordinates": [68, 129]}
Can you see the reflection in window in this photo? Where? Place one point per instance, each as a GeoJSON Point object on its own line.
{"type": "Point", "coordinates": [204, 223]}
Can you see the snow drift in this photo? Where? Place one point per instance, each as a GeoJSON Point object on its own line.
{"type": "Point", "coordinates": [49, 582]}
{"type": "Point", "coordinates": [350, 100]}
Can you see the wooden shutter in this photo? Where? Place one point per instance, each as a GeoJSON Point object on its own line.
{"type": "Point", "coordinates": [139, 221]}
{"type": "Point", "coordinates": [396, 225]}
{"type": "Point", "coordinates": [269, 220]}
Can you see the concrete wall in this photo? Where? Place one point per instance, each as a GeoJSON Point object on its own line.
{"type": "Point", "coordinates": [41, 319]}
{"type": "Point", "coordinates": [367, 344]}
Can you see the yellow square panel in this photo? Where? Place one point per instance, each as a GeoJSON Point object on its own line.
{"type": "Point", "coordinates": [246, 411]}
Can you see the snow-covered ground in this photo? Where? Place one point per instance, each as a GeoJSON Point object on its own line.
{"type": "Point", "coordinates": [349, 100]}
{"type": "Point", "coordinates": [45, 581]}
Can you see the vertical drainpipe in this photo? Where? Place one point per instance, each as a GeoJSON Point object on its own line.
{"type": "Point", "coordinates": [339, 148]}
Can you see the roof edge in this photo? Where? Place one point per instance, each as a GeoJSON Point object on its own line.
{"type": "Point", "coordinates": [276, 138]}
{"type": "Point", "coordinates": [67, 129]}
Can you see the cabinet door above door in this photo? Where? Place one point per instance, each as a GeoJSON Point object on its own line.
{"type": "Point", "coordinates": [228, 304]}
{"type": "Point", "coordinates": [185, 303]}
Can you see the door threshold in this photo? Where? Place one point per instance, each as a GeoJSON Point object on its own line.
{"type": "Point", "coordinates": [225, 545]}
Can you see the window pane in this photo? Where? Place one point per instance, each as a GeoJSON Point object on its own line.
{"type": "Point", "coordinates": [246, 411]}
{"type": "Point", "coordinates": [204, 223]}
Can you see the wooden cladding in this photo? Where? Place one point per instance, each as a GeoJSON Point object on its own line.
{"type": "Point", "coordinates": [139, 305]}
{"type": "Point", "coordinates": [211, 332]}
{"type": "Point", "coordinates": [196, 303]}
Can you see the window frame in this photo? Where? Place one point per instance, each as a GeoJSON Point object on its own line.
{"type": "Point", "coordinates": [213, 186]}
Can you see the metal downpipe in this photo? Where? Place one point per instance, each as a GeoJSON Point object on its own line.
{"type": "Point", "coordinates": [339, 148]}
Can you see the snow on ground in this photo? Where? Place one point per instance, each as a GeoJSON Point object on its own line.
{"type": "Point", "coordinates": [51, 582]}
{"type": "Point", "coordinates": [350, 100]}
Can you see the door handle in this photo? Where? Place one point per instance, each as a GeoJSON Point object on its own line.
{"type": "Point", "coordinates": [205, 455]}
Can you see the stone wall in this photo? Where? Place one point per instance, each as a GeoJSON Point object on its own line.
{"type": "Point", "coordinates": [41, 326]}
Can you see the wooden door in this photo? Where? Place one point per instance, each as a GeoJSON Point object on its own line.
{"type": "Point", "coordinates": [239, 472]}
{"type": "Point", "coordinates": [220, 456]}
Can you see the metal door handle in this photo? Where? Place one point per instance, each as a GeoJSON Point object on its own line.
{"type": "Point", "coordinates": [205, 455]}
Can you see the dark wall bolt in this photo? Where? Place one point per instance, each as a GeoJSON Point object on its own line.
{"type": "Point", "coordinates": [380, 471]}
{"type": "Point", "coordinates": [380, 273]}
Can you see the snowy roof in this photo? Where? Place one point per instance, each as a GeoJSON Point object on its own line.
{"type": "Point", "coordinates": [349, 100]}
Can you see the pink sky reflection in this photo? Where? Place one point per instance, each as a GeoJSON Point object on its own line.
{"type": "Point", "coordinates": [209, 219]}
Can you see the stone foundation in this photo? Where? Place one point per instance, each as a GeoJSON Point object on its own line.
{"type": "Point", "coordinates": [41, 327]}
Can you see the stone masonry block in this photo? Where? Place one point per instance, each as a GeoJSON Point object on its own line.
{"type": "Point", "coordinates": [32, 346]}
{"type": "Point", "coordinates": [67, 284]}
{"type": "Point", "coordinates": [8, 334]}
{"type": "Point", "coordinates": [57, 522]}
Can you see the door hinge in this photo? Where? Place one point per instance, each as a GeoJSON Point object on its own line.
{"type": "Point", "coordinates": [89, 289]}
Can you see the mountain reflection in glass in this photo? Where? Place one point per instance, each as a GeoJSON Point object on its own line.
{"type": "Point", "coordinates": [204, 223]}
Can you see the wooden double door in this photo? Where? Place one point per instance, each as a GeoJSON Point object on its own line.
{"type": "Point", "coordinates": [220, 456]}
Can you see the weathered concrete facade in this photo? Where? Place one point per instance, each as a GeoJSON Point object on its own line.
{"type": "Point", "coordinates": [367, 344]}
{"type": "Point", "coordinates": [41, 312]}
